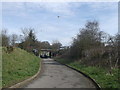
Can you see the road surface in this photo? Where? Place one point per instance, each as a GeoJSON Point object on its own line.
{"type": "Point", "coordinates": [55, 75]}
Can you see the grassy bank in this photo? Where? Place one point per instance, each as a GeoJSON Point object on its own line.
{"type": "Point", "coordinates": [18, 66]}
{"type": "Point", "coordinates": [99, 74]}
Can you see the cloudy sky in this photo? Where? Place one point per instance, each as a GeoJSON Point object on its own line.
{"type": "Point", "coordinates": [43, 17]}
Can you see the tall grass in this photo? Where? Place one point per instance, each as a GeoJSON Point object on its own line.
{"type": "Point", "coordinates": [18, 66]}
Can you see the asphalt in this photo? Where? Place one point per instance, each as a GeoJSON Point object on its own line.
{"type": "Point", "coordinates": [56, 75]}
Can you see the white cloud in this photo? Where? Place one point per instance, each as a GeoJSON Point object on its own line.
{"type": "Point", "coordinates": [55, 32]}
{"type": "Point", "coordinates": [66, 27]}
{"type": "Point", "coordinates": [64, 8]}
{"type": "Point", "coordinates": [66, 41]}
{"type": "Point", "coordinates": [12, 7]}
{"type": "Point", "coordinates": [110, 25]}
{"type": "Point", "coordinates": [103, 5]}
{"type": "Point", "coordinates": [60, 0]}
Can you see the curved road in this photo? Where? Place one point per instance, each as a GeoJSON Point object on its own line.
{"type": "Point", "coordinates": [55, 75]}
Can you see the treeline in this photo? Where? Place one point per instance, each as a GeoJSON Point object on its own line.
{"type": "Point", "coordinates": [27, 41]}
{"type": "Point", "coordinates": [93, 47]}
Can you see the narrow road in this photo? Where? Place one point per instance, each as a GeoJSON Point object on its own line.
{"type": "Point", "coordinates": [55, 75]}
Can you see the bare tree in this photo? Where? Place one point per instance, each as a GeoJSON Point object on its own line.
{"type": "Point", "coordinates": [5, 38]}
{"type": "Point", "coordinates": [13, 38]}
{"type": "Point", "coordinates": [56, 47]}
{"type": "Point", "coordinates": [56, 44]}
{"type": "Point", "coordinates": [117, 50]}
{"type": "Point", "coordinates": [29, 39]}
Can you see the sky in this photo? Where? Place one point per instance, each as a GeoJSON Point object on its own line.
{"type": "Point", "coordinates": [43, 17]}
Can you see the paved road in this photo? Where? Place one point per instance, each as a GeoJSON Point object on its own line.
{"type": "Point", "coordinates": [56, 75]}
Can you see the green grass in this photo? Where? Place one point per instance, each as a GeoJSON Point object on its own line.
{"type": "Point", "coordinates": [18, 66]}
{"type": "Point", "coordinates": [99, 74]}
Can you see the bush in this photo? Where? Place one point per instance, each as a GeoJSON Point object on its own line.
{"type": "Point", "coordinates": [10, 49]}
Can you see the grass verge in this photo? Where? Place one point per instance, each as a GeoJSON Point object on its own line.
{"type": "Point", "coordinates": [99, 74]}
{"type": "Point", "coordinates": [18, 66]}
